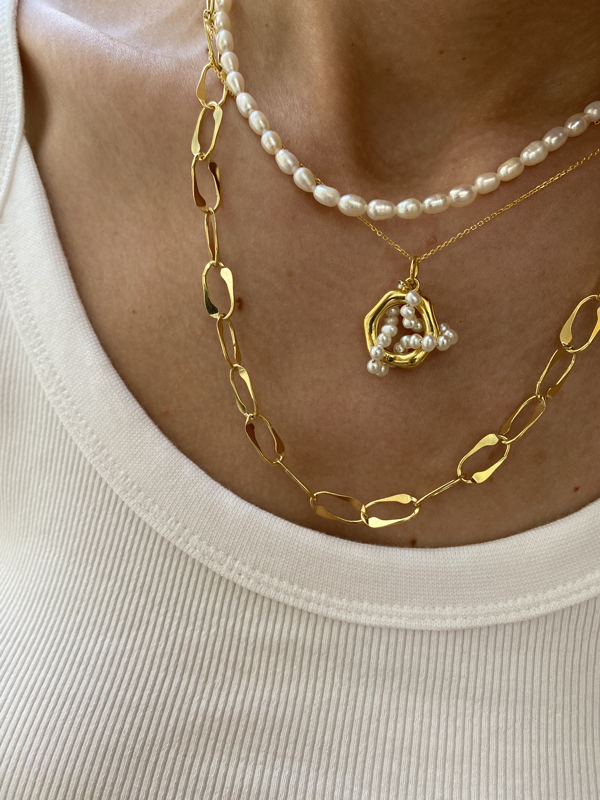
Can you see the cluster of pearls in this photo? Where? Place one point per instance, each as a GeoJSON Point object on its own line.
{"type": "Point", "coordinates": [352, 205]}
{"type": "Point", "coordinates": [408, 315]}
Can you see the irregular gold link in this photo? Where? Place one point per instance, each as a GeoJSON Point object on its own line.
{"type": "Point", "coordinates": [553, 390]}
{"type": "Point", "coordinates": [277, 441]}
{"type": "Point", "coordinates": [566, 334]}
{"type": "Point", "coordinates": [201, 91]}
{"type": "Point", "coordinates": [295, 478]}
{"type": "Point", "coordinates": [439, 490]}
{"type": "Point", "coordinates": [491, 440]}
{"type": "Point", "coordinates": [216, 176]}
{"type": "Point", "coordinates": [377, 522]}
{"type": "Point", "coordinates": [227, 277]}
{"type": "Point", "coordinates": [237, 369]}
{"type": "Point", "coordinates": [217, 116]}
{"type": "Point", "coordinates": [211, 234]}
{"type": "Point", "coordinates": [537, 413]}
{"type": "Point", "coordinates": [237, 356]}
{"type": "Point", "coordinates": [323, 512]}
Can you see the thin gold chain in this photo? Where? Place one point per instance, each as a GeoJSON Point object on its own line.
{"type": "Point", "coordinates": [208, 19]}
{"type": "Point", "coordinates": [483, 221]}
{"type": "Point", "coordinates": [359, 511]}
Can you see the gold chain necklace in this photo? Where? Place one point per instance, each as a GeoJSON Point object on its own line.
{"type": "Point", "coordinates": [405, 301]}
{"type": "Point", "coordinates": [534, 406]}
{"type": "Point", "coordinates": [486, 219]}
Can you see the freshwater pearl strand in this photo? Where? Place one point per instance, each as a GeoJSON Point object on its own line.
{"type": "Point", "coordinates": [352, 205]}
{"type": "Point", "coordinates": [390, 328]}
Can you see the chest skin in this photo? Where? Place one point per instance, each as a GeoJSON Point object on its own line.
{"type": "Point", "coordinates": [110, 126]}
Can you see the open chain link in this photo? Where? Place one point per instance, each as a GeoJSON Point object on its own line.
{"type": "Point", "coordinates": [510, 432]}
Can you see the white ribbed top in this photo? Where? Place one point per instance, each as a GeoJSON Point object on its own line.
{"type": "Point", "coordinates": [163, 639]}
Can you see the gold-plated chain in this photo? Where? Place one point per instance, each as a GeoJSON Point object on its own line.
{"type": "Point", "coordinates": [360, 512]}
{"type": "Point", "coordinates": [485, 220]}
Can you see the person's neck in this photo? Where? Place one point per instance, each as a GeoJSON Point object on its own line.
{"type": "Point", "coordinates": [398, 91]}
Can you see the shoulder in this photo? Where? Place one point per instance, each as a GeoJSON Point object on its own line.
{"type": "Point", "coordinates": [151, 25]}
{"type": "Point", "coordinates": [77, 55]}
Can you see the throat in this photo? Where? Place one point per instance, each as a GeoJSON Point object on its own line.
{"type": "Point", "coordinates": [404, 89]}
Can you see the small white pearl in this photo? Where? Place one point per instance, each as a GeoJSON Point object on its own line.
{"type": "Point", "coordinates": [399, 349]}
{"type": "Point", "coordinates": [435, 203]}
{"type": "Point", "coordinates": [408, 312]}
{"type": "Point", "coordinates": [223, 5]}
{"type": "Point", "coordinates": [417, 326]}
{"type": "Point", "coordinates": [377, 352]}
{"type": "Point", "coordinates": [258, 122]}
{"type": "Point", "coordinates": [246, 104]}
{"type": "Point", "coordinates": [534, 153]}
{"type": "Point", "coordinates": [384, 340]}
{"type": "Point", "coordinates": [592, 112]}
{"type": "Point", "coordinates": [577, 124]}
{"type": "Point", "coordinates": [390, 330]}
{"type": "Point", "coordinates": [415, 341]}
{"type": "Point", "coordinates": [451, 335]}
{"type": "Point", "coordinates": [462, 195]}
{"type": "Point", "coordinates": [352, 205]}
{"type": "Point", "coordinates": [374, 366]}
{"type": "Point", "coordinates": [381, 209]}
{"type": "Point", "coordinates": [393, 311]}
{"type": "Point", "coordinates": [383, 371]}
{"type": "Point", "coordinates": [428, 343]}
{"type": "Point", "coordinates": [443, 343]}
{"type": "Point", "coordinates": [304, 179]}
{"type": "Point", "coordinates": [487, 182]}
{"type": "Point", "coordinates": [286, 161]}
{"type": "Point", "coordinates": [271, 142]}
{"type": "Point", "coordinates": [326, 195]}
{"type": "Point", "coordinates": [409, 209]}
{"type": "Point", "coordinates": [405, 342]}
{"type": "Point", "coordinates": [555, 138]}
{"type": "Point", "coordinates": [224, 41]}
{"type": "Point", "coordinates": [221, 21]}
{"type": "Point", "coordinates": [390, 321]}
{"type": "Point", "coordinates": [413, 298]}
{"type": "Point", "coordinates": [511, 169]}
{"type": "Point", "coordinates": [408, 322]}
{"type": "Point", "coordinates": [230, 62]}
{"type": "Point", "coordinates": [235, 82]}
{"type": "Point", "coordinates": [444, 327]}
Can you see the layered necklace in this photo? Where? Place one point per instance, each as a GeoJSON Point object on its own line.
{"type": "Point", "coordinates": [405, 306]}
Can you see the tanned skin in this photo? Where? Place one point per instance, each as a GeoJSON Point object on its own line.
{"type": "Point", "coordinates": [412, 99]}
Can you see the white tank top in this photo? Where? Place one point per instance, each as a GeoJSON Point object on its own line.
{"type": "Point", "coordinates": [163, 639]}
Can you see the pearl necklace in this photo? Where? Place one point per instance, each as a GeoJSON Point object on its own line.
{"type": "Point", "coordinates": [353, 205]}
{"type": "Point", "coordinates": [513, 429]}
{"type": "Point", "coordinates": [405, 304]}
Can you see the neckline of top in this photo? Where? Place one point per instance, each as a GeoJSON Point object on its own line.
{"type": "Point", "coordinates": [525, 575]}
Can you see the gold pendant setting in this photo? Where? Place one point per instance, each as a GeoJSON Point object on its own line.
{"type": "Point", "coordinates": [404, 307]}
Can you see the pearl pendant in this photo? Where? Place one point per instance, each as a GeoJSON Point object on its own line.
{"type": "Point", "coordinates": [387, 346]}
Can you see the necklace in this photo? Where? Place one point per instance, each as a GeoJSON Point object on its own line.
{"type": "Point", "coordinates": [404, 306]}
{"type": "Point", "coordinates": [353, 205]}
{"type": "Point", "coordinates": [411, 350]}
{"type": "Point", "coordinates": [510, 432]}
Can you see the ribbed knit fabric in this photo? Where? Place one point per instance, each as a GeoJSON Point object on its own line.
{"type": "Point", "coordinates": [162, 639]}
